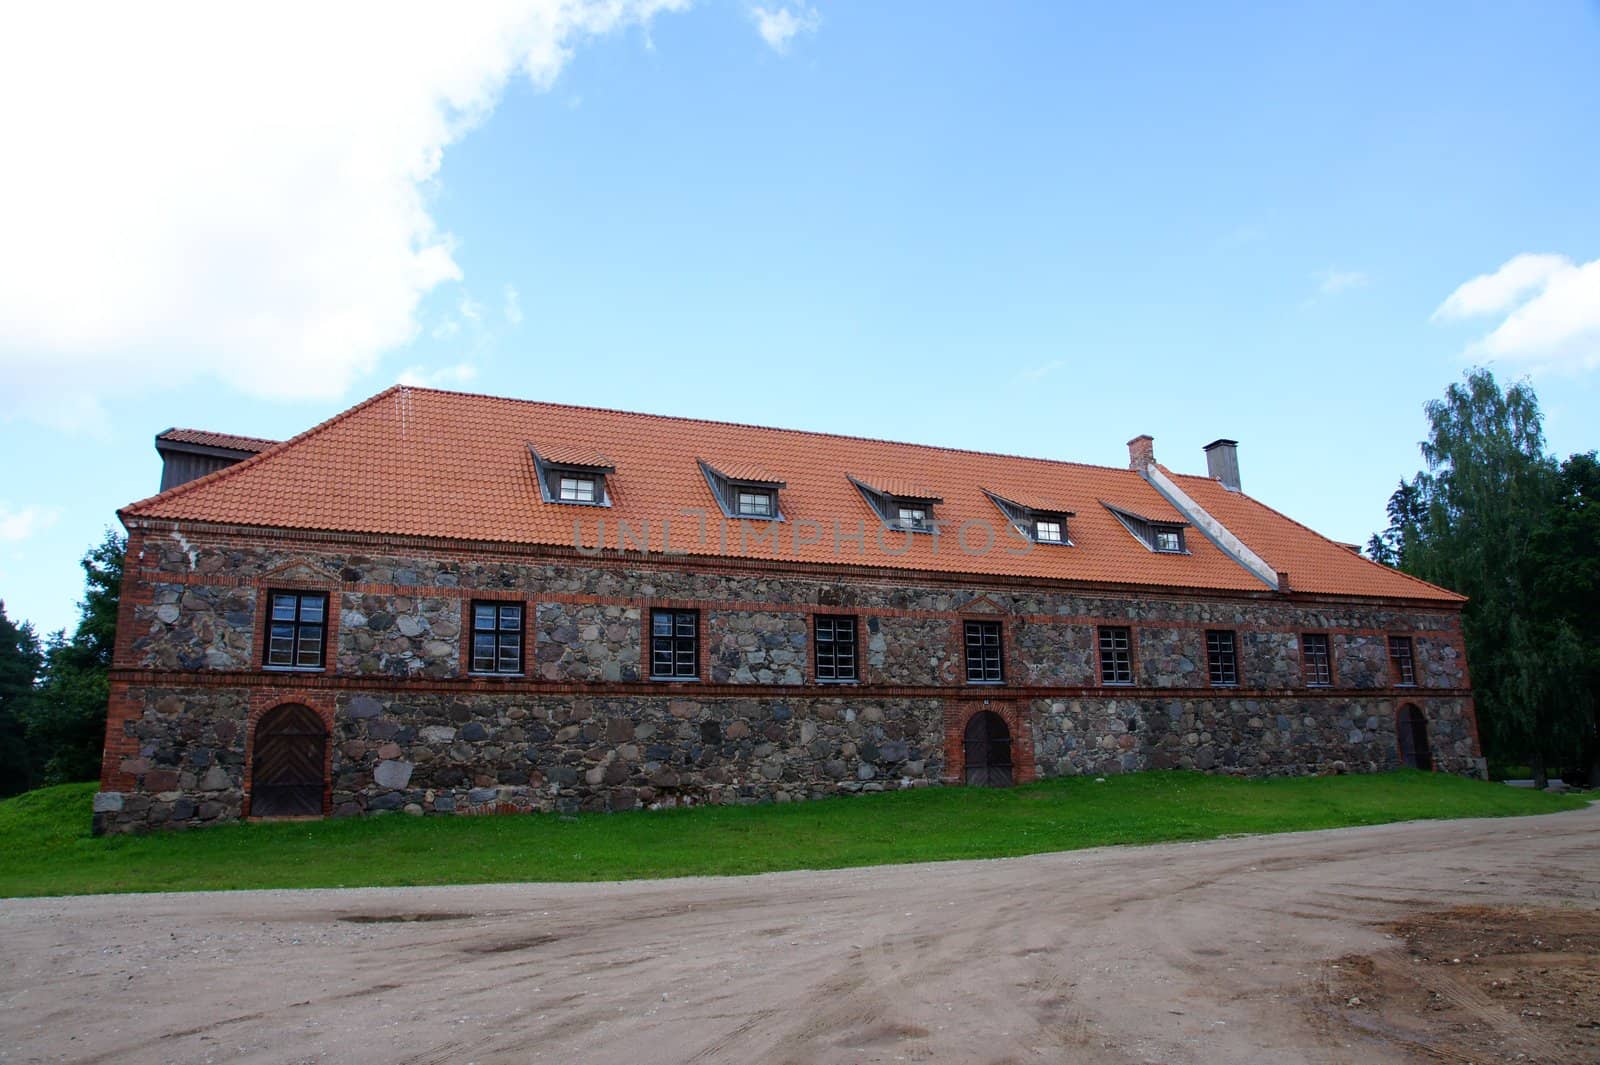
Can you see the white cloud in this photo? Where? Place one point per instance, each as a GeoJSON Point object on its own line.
{"type": "Point", "coordinates": [1335, 281]}
{"type": "Point", "coordinates": [513, 305]}
{"type": "Point", "coordinates": [1503, 289]}
{"type": "Point", "coordinates": [240, 194]}
{"type": "Point", "coordinates": [1550, 308]}
{"type": "Point", "coordinates": [16, 525]}
{"type": "Point", "coordinates": [444, 377]}
{"type": "Point", "coordinates": [780, 25]}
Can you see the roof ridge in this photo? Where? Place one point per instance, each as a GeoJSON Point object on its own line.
{"type": "Point", "coordinates": [1333, 543]}
{"type": "Point", "coordinates": [132, 509]}
{"type": "Point", "coordinates": [771, 429]}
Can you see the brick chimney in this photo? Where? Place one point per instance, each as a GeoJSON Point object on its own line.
{"type": "Point", "coordinates": [1141, 452]}
{"type": "Point", "coordinates": [1222, 462]}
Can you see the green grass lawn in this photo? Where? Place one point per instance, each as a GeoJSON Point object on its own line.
{"type": "Point", "coordinates": [46, 849]}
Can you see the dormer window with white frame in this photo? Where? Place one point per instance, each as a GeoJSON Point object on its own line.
{"type": "Point", "coordinates": [574, 478]}
{"type": "Point", "coordinates": [578, 489]}
{"type": "Point", "coordinates": [756, 503]}
{"type": "Point", "coordinates": [1042, 521]}
{"type": "Point", "coordinates": [1162, 536]}
{"type": "Point", "coordinates": [900, 504]}
{"type": "Point", "coordinates": [744, 490]}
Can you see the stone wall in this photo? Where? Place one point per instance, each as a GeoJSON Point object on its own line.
{"type": "Point", "coordinates": [399, 635]}
{"type": "Point", "coordinates": [195, 626]}
{"type": "Point", "coordinates": [1051, 654]}
{"type": "Point", "coordinates": [182, 760]}
{"type": "Point", "coordinates": [583, 728]}
{"type": "Point", "coordinates": [907, 650]}
{"type": "Point", "coordinates": [1246, 737]}
{"type": "Point", "coordinates": [588, 642]}
{"type": "Point", "coordinates": [751, 647]}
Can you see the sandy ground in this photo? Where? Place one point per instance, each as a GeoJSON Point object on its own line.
{"type": "Point", "coordinates": [1359, 945]}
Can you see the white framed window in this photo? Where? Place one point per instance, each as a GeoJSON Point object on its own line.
{"type": "Point", "coordinates": [578, 490]}
{"type": "Point", "coordinates": [755, 503]}
{"type": "Point", "coordinates": [913, 517]}
{"type": "Point", "coordinates": [1170, 540]}
{"type": "Point", "coordinates": [1047, 532]}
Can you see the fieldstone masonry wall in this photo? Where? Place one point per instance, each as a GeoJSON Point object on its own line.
{"type": "Point", "coordinates": [400, 635]}
{"type": "Point", "coordinates": [588, 642]}
{"type": "Point", "coordinates": [585, 729]}
{"type": "Point", "coordinates": [195, 626]}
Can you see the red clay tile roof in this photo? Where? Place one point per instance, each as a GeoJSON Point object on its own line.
{"type": "Point", "coordinates": [203, 438]}
{"type": "Point", "coordinates": [1030, 499]}
{"type": "Point", "coordinates": [899, 487]}
{"type": "Point", "coordinates": [414, 461]}
{"type": "Point", "coordinates": [579, 455]}
{"type": "Point", "coordinates": [746, 472]}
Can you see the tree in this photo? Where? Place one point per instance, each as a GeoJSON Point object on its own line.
{"type": "Point", "coordinates": [66, 720]}
{"type": "Point", "coordinates": [1567, 550]}
{"type": "Point", "coordinates": [1472, 522]}
{"type": "Point", "coordinates": [20, 660]}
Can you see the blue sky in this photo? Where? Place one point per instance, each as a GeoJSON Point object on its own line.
{"type": "Point", "coordinates": [1031, 228]}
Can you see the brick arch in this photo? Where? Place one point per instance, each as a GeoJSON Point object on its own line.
{"type": "Point", "coordinates": [266, 703]}
{"type": "Point", "coordinates": [958, 712]}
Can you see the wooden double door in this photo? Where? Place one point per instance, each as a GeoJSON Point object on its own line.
{"type": "Point", "coordinates": [288, 771]}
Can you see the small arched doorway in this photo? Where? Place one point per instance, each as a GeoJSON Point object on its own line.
{"type": "Point", "coordinates": [988, 751]}
{"type": "Point", "coordinates": [1413, 730]}
{"type": "Point", "coordinates": [286, 775]}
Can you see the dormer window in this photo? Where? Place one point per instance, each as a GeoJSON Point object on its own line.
{"type": "Point", "coordinates": [913, 518]}
{"type": "Point", "coordinates": [756, 503]}
{"type": "Point", "coordinates": [900, 503]}
{"type": "Point", "coordinates": [578, 489]}
{"type": "Point", "coordinates": [744, 490]}
{"type": "Point", "coordinates": [1043, 521]}
{"type": "Point", "coordinates": [573, 476]}
{"type": "Point", "coordinates": [1164, 536]}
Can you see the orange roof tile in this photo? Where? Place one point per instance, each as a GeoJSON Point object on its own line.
{"type": "Point", "coordinates": [898, 487]}
{"type": "Point", "coordinates": [748, 472]}
{"type": "Point", "coordinates": [414, 461]}
{"type": "Point", "coordinates": [1030, 499]}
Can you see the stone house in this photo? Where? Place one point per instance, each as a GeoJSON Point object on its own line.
{"type": "Point", "coordinates": [450, 603]}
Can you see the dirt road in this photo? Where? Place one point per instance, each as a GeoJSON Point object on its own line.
{"type": "Point", "coordinates": [1276, 949]}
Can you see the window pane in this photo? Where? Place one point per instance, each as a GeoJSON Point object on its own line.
{"type": "Point", "coordinates": [661, 623]}
{"type": "Point", "coordinates": [283, 607]}
{"type": "Point", "coordinates": [685, 624]}
{"type": "Point", "coordinates": [311, 608]}
{"type": "Point", "coordinates": [280, 648]}
{"type": "Point", "coordinates": [483, 653]}
{"type": "Point", "coordinates": [510, 653]}
{"type": "Point", "coordinates": [511, 617]}
{"type": "Point", "coordinates": [310, 646]}
{"type": "Point", "coordinates": [483, 616]}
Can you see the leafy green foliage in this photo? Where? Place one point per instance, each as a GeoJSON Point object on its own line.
{"type": "Point", "coordinates": [53, 723]}
{"type": "Point", "coordinates": [45, 834]}
{"type": "Point", "coordinates": [20, 661]}
{"type": "Point", "coordinates": [1496, 519]}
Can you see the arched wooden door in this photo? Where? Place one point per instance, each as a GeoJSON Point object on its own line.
{"type": "Point", "coordinates": [1413, 730]}
{"type": "Point", "coordinates": [286, 776]}
{"type": "Point", "coordinates": [988, 751]}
